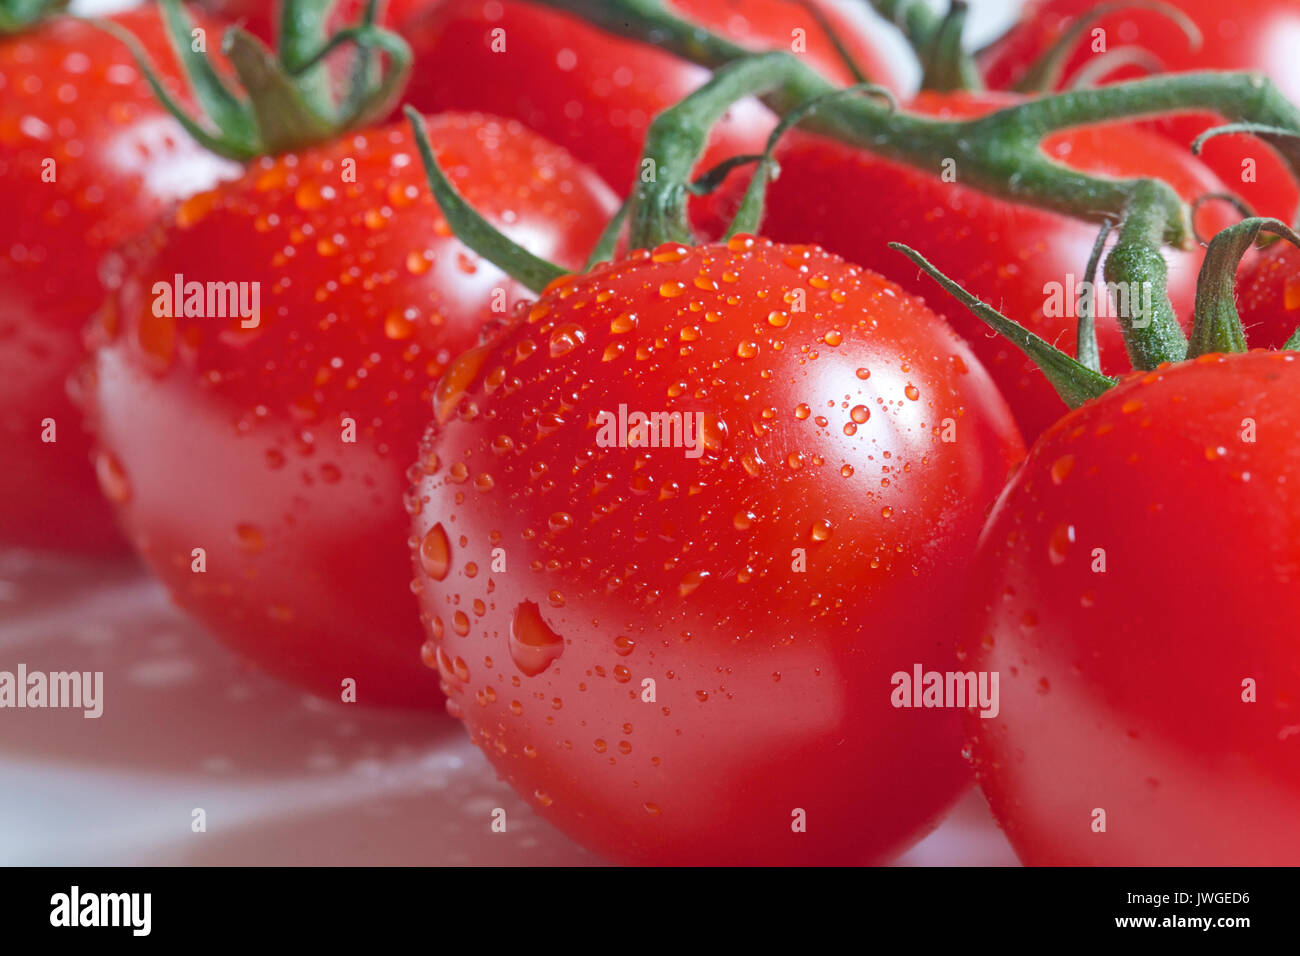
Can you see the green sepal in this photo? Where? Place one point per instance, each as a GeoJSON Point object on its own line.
{"type": "Point", "coordinates": [472, 229]}
{"type": "Point", "coordinates": [1073, 381]}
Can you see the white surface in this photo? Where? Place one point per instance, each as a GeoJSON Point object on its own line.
{"type": "Point", "coordinates": [283, 778]}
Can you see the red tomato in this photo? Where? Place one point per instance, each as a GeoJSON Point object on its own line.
{"type": "Point", "coordinates": [1268, 296]}
{"type": "Point", "coordinates": [1125, 690]}
{"type": "Point", "coordinates": [678, 659]}
{"type": "Point", "coordinates": [1260, 35]}
{"type": "Point", "coordinates": [596, 94]}
{"type": "Point", "coordinates": [262, 17]}
{"type": "Point", "coordinates": [237, 440]}
{"type": "Point", "coordinates": [87, 159]}
{"type": "Point", "coordinates": [854, 203]}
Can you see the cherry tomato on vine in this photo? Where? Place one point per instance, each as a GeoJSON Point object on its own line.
{"type": "Point", "coordinates": [1258, 35]}
{"type": "Point", "coordinates": [595, 93]}
{"type": "Point", "coordinates": [1024, 261]}
{"type": "Point", "coordinates": [280, 447]}
{"type": "Point", "coordinates": [683, 653]}
{"type": "Point", "coordinates": [1137, 593]}
{"type": "Point", "coordinates": [87, 160]}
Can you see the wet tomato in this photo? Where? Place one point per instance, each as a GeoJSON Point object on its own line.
{"type": "Point", "coordinates": [279, 444]}
{"type": "Point", "coordinates": [683, 653]}
{"type": "Point", "coordinates": [87, 160]}
{"type": "Point", "coordinates": [1137, 593]}
{"type": "Point", "coordinates": [595, 93]}
{"type": "Point", "coordinates": [1026, 262]}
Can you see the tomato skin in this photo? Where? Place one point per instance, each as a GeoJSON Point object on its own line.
{"type": "Point", "coordinates": [1259, 35]}
{"type": "Point", "coordinates": [1268, 296]}
{"type": "Point", "coordinates": [1123, 690]}
{"type": "Point", "coordinates": [773, 686]}
{"type": "Point", "coordinates": [595, 93]}
{"type": "Point", "coordinates": [233, 440]}
{"type": "Point", "coordinates": [854, 204]}
{"type": "Point", "coordinates": [261, 17]}
{"type": "Point", "coordinates": [119, 161]}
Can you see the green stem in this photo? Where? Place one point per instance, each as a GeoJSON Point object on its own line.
{"type": "Point", "coordinates": [677, 138]}
{"type": "Point", "coordinates": [946, 67]}
{"type": "Point", "coordinates": [1152, 334]}
{"type": "Point", "coordinates": [1217, 325]}
{"type": "Point", "coordinates": [1086, 340]}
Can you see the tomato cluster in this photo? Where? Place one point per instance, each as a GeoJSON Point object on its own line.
{"type": "Point", "coordinates": [681, 526]}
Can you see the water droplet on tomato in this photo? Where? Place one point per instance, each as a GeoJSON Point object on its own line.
{"type": "Point", "coordinates": [435, 553]}
{"type": "Point", "coordinates": [533, 645]}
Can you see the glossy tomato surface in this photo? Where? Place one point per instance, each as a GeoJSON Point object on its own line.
{"type": "Point", "coordinates": [1268, 296]}
{"type": "Point", "coordinates": [1137, 593]}
{"type": "Point", "coordinates": [1257, 35]}
{"type": "Point", "coordinates": [280, 449]}
{"type": "Point", "coordinates": [262, 17]}
{"type": "Point", "coordinates": [683, 653]}
{"type": "Point", "coordinates": [87, 160]}
{"type": "Point", "coordinates": [1011, 256]}
{"type": "Point", "coordinates": [595, 93]}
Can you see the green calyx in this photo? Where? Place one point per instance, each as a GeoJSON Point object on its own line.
{"type": "Point", "coordinates": [288, 101]}
{"type": "Point", "coordinates": [1216, 325]}
{"type": "Point", "coordinates": [18, 15]}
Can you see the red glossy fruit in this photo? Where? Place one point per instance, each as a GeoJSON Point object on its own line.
{"type": "Point", "coordinates": [1137, 585]}
{"type": "Point", "coordinates": [1268, 296]}
{"type": "Point", "coordinates": [261, 17]}
{"type": "Point", "coordinates": [1011, 256]}
{"type": "Point", "coordinates": [87, 160]}
{"type": "Point", "coordinates": [678, 653]}
{"type": "Point", "coordinates": [596, 94]}
{"type": "Point", "coordinates": [281, 449]}
{"type": "Point", "coordinates": [1259, 35]}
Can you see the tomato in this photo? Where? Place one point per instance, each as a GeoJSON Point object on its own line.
{"type": "Point", "coordinates": [261, 17]}
{"type": "Point", "coordinates": [1268, 296]}
{"type": "Point", "coordinates": [1008, 255]}
{"type": "Point", "coordinates": [280, 449]}
{"type": "Point", "coordinates": [595, 93]}
{"type": "Point", "coordinates": [1259, 35]}
{"type": "Point", "coordinates": [1126, 690]}
{"type": "Point", "coordinates": [679, 653]}
{"type": "Point", "coordinates": [87, 159]}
